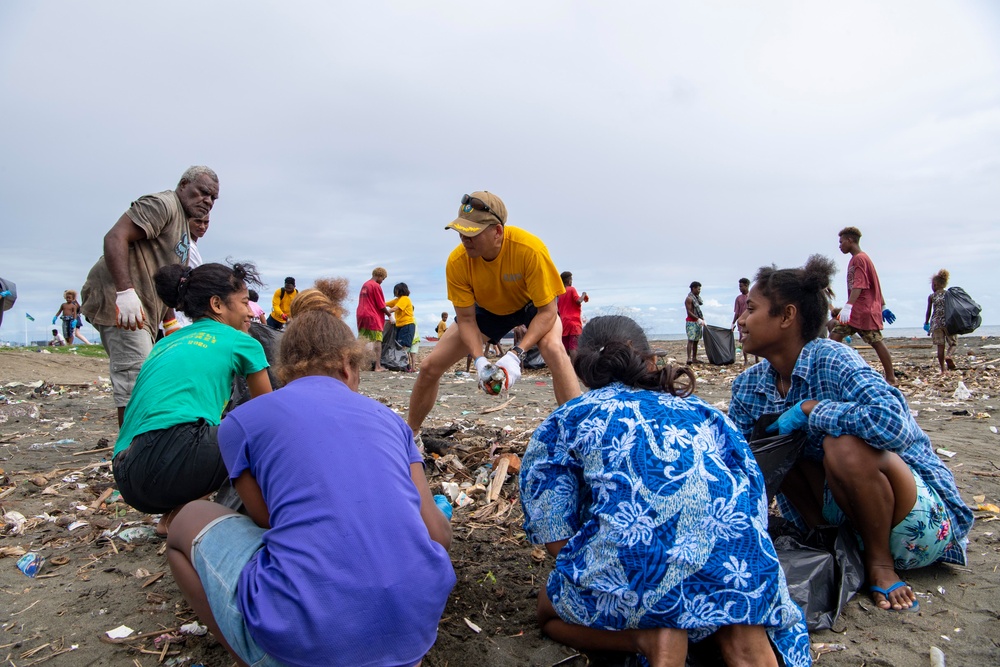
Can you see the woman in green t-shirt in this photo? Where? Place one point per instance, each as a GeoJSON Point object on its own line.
{"type": "Point", "coordinates": [167, 453]}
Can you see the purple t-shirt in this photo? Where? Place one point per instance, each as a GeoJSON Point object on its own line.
{"type": "Point", "coordinates": [348, 572]}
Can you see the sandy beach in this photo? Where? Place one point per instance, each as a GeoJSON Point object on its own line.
{"type": "Point", "coordinates": [58, 425]}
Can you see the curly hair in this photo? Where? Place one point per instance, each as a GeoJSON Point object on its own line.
{"type": "Point", "coordinates": [317, 341]}
{"type": "Point", "coordinates": [852, 233]}
{"type": "Point", "coordinates": [941, 279]}
{"type": "Point", "coordinates": [613, 348]}
{"type": "Point", "coordinates": [805, 288]}
{"type": "Point", "coordinates": [191, 290]}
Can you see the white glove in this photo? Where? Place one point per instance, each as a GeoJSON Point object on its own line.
{"type": "Point", "coordinates": [483, 368]}
{"type": "Point", "coordinates": [129, 310]}
{"type": "Point", "coordinates": [701, 323]}
{"type": "Point", "coordinates": [845, 314]}
{"type": "Point", "coordinates": [511, 363]}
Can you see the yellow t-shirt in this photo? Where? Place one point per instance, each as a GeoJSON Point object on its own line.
{"type": "Point", "coordinates": [442, 327]}
{"type": "Point", "coordinates": [404, 315]}
{"type": "Point", "coordinates": [281, 304]}
{"type": "Point", "coordinates": [522, 272]}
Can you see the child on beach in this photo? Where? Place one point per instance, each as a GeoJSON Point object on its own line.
{"type": "Point", "coordinates": [414, 352]}
{"type": "Point", "coordinates": [865, 460]}
{"type": "Point", "coordinates": [343, 559]}
{"type": "Point", "coordinates": [402, 308]}
{"type": "Point", "coordinates": [167, 452]}
{"type": "Point", "coordinates": [69, 313]}
{"type": "Point", "coordinates": [654, 508]}
{"type": "Point", "coordinates": [934, 323]}
{"type": "Point", "coordinates": [257, 313]}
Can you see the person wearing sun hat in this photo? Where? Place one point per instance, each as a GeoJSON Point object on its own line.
{"type": "Point", "coordinates": [498, 278]}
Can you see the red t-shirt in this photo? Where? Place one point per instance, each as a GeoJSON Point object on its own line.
{"type": "Point", "coordinates": [866, 312]}
{"type": "Point", "coordinates": [569, 312]}
{"type": "Point", "coordinates": [371, 307]}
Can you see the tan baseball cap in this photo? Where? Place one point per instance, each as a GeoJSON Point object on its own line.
{"type": "Point", "coordinates": [477, 212]}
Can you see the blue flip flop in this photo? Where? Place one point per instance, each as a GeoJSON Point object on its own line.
{"type": "Point", "coordinates": [885, 592]}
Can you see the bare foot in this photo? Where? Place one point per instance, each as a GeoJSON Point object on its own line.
{"type": "Point", "coordinates": [379, 369]}
{"type": "Point", "coordinates": [163, 525]}
{"type": "Point", "coordinates": [885, 577]}
{"type": "Point", "coordinates": [951, 364]}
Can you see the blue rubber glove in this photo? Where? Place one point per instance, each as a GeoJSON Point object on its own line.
{"type": "Point", "coordinates": [888, 316]}
{"type": "Point", "coordinates": [927, 327]}
{"type": "Point", "coordinates": [444, 505]}
{"type": "Point", "coordinates": [54, 319]}
{"type": "Point", "coordinates": [4, 293]}
{"type": "Point", "coordinates": [790, 420]}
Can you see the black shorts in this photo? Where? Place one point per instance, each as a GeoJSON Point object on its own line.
{"type": "Point", "coordinates": [162, 470]}
{"type": "Point", "coordinates": [495, 327]}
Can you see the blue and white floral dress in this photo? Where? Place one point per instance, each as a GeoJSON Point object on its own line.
{"type": "Point", "coordinates": [665, 512]}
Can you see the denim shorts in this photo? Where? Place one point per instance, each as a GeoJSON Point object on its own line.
{"type": "Point", "coordinates": [920, 539]}
{"type": "Point", "coordinates": [219, 553]}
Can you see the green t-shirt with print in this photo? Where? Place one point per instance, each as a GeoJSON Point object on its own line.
{"type": "Point", "coordinates": [188, 376]}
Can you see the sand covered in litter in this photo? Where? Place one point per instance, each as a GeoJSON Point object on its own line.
{"type": "Point", "coordinates": [91, 584]}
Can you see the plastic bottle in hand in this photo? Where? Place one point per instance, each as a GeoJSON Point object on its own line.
{"type": "Point", "coordinates": [495, 381]}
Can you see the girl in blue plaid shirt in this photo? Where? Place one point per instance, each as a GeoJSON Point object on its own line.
{"type": "Point", "coordinates": [866, 461]}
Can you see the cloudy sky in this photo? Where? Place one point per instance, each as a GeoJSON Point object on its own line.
{"type": "Point", "coordinates": [648, 144]}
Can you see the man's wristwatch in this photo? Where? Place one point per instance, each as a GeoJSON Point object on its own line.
{"type": "Point", "coordinates": [519, 352]}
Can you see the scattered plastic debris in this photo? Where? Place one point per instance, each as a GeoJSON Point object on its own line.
{"type": "Point", "coordinates": [121, 632]}
{"type": "Point", "coordinates": [945, 452]}
{"type": "Point", "coordinates": [137, 534]}
{"type": "Point", "coordinates": [30, 563]}
{"type": "Point", "coordinates": [194, 628]}
{"type": "Point", "coordinates": [962, 393]}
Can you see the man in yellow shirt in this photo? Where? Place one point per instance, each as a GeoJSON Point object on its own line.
{"type": "Point", "coordinates": [498, 278]}
{"type": "Point", "coordinates": [281, 305]}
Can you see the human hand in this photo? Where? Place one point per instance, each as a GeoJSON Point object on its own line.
{"type": "Point", "coordinates": [128, 310]}
{"type": "Point", "coordinates": [888, 316]}
{"type": "Point", "coordinates": [511, 363]}
{"type": "Point", "coordinates": [54, 318]}
{"type": "Point", "coordinates": [927, 328]}
{"type": "Point", "coordinates": [444, 505]}
{"type": "Point", "coordinates": [4, 293]}
{"type": "Point", "coordinates": [483, 370]}
{"type": "Point", "coordinates": [171, 326]}
{"type": "Point", "coordinates": [790, 420]}
{"type": "Point", "coordinates": [701, 323]}
{"type": "Point", "coordinates": [845, 314]}
{"type": "Point", "coordinates": [585, 297]}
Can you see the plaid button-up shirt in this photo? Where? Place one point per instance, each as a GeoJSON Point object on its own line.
{"type": "Point", "coordinates": [853, 400]}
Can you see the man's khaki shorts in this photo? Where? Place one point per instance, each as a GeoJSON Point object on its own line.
{"type": "Point", "coordinates": [126, 352]}
{"type": "Point", "coordinates": [870, 337]}
{"type": "Point", "coordinates": [940, 336]}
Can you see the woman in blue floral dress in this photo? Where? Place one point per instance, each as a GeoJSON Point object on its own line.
{"type": "Point", "coordinates": [654, 508]}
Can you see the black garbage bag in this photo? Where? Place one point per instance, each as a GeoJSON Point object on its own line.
{"type": "Point", "coordinates": [533, 358]}
{"type": "Point", "coordinates": [720, 346]}
{"type": "Point", "coordinates": [393, 357]}
{"type": "Point", "coordinates": [270, 340]}
{"type": "Point", "coordinates": [962, 315]}
{"type": "Point", "coordinates": [775, 454]}
{"type": "Point", "coordinates": [823, 569]}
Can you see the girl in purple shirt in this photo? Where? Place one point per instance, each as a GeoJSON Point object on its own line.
{"type": "Point", "coordinates": [343, 558]}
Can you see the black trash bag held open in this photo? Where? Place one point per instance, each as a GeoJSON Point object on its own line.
{"type": "Point", "coordinates": [775, 454]}
{"type": "Point", "coordinates": [720, 346]}
{"type": "Point", "coordinates": [393, 357]}
{"type": "Point", "coordinates": [823, 569]}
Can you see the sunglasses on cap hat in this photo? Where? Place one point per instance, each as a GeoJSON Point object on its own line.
{"type": "Point", "coordinates": [479, 204]}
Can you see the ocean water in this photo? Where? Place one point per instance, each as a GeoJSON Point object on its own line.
{"type": "Point", "coordinates": [888, 332]}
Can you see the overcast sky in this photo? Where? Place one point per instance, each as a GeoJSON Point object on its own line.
{"type": "Point", "coordinates": [647, 144]}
